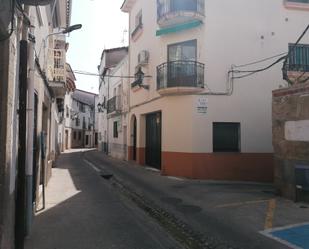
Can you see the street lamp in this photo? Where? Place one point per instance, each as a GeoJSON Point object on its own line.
{"type": "Point", "coordinates": [139, 77]}
{"type": "Point", "coordinates": [64, 31]}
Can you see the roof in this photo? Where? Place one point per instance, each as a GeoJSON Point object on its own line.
{"type": "Point", "coordinates": [127, 5]}
{"type": "Point", "coordinates": [111, 57]}
{"type": "Point", "coordinates": [84, 97]}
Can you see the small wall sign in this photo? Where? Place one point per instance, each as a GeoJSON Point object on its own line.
{"type": "Point", "coordinates": [202, 105]}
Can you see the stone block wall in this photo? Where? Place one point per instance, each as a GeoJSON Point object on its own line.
{"type": "Point", "coordinates": [290, 135]}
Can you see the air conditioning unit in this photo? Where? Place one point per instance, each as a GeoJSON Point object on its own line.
{"type": "Point", "coordinates": [143, 57]}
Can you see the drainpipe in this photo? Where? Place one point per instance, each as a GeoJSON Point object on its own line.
{"type": "Point", "coordinates": [20, 213]}
{"type": "Point", "coordinates": [30, 126]}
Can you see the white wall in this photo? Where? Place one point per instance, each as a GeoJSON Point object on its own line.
{"type": "Point", "coordinates": [233, 33]}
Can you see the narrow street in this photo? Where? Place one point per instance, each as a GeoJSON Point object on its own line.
{"type": "Point", "coordinates": [84, 212]}
{"type": "Point", "coordinates": [94, 201]}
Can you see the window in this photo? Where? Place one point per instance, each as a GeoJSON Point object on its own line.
{"type": "Point", "coordinates": [77, 121]}
{"type": "Point", "coordinates": [67, 112]}
{"type": "Point", "coordinates": [81, 107]}
{"type": "Point", "coordinates": [115, 129]}
{"type": "Point", "coordinates": [138, 25]}
{"type": "Point", "coordinates": [226, 137]}
{"type": "Point", "coordinates": [139, 19]}
{"type": "Point", "coordinates": [299, 57]}
{"type": "Point", "coordinates": [182, 51]}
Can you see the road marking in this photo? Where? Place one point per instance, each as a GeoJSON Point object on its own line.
{"type": "Point", "coordinates": [271, 233]}
{"type": "Point", "coordinates": [270, 214]}
{"type": "Point", "coordinates": [92, 165]}
{"type": "Point", "coordinates": [240, 203]}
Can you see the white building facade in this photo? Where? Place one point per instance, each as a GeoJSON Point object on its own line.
{"type": "Point", "coordinates": [113, 102]}
{"type": "Point", "coordinates": [79, 119]}
{"type": "Point", "coordinates": [199, 114]}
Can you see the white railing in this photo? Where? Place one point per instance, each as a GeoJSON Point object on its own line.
{"type": "Point", "coordinates": [56, 70]}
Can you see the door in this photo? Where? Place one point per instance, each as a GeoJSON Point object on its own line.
{"type": "Point", "coordinates": [134, 139]}
{"type": "Point", "coordinates": [66, 139]}
{"type": "Point", "coordinates": [153, 140]}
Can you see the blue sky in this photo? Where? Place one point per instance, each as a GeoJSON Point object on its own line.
{"type": "Point", "coordinates": [103, 26]}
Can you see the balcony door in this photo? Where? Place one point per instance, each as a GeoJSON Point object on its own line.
{"type": "Point", "coordinates": [181, 63]}
{"type": "Point", "coordinates": [183, 5]}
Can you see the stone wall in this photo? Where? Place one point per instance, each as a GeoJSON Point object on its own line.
{"type": "Point", "coordinates": [290, 135]}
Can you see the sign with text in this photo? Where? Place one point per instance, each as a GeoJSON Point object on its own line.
{"type": "Point", "coordinates": [202, 105]}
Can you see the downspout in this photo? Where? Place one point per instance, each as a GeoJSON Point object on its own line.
{"type": "Point", "coordinates": [107, 126]}
{"type": "Point", "coordinates": [20, 213]}
{"type": "Point", "coordinates": [30, 125]}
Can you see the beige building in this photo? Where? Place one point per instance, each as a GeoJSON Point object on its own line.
{"type": "Point", "coordinates": [202, 110]}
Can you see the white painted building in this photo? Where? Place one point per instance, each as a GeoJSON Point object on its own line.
{"type": "Point", "coordinates": [113, 102]}
{"type": "Point", "coordinates": [195, 116]}
{"type": "Point", "coordinates": [79, 119]}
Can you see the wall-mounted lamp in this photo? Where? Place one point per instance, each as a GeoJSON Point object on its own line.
{"type": "Point", "coordinates": [139, 77]}
{"type": "Point", "coordinates": [101, 107]}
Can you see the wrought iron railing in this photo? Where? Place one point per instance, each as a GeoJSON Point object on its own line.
{"type": "Point", "coordinates": [298, 60]}
{"type": "Point", "coordinates": [165, 7]}
{"type": "Point", "coordinates": [180, 74]}
{"type": "Point", "coordinates": [114, 104]}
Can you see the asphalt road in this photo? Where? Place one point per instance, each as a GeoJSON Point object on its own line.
{"type": "Point", "coordinates": [200, 208]}
{"type": "Point", "coordinates": [83, 211]}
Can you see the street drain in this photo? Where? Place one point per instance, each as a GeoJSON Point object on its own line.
{"type": "Point", "coordinates": [107, 176]}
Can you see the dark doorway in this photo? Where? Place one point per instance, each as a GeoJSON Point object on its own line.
{"type": "Point", "coordinates": [153, 140]}
{"type": "Point", "coordinates": [134, 138]}
{"type": "Point", "coordinates": [35, 148]}
{"type": "Point", "coordinates": [66, 139]}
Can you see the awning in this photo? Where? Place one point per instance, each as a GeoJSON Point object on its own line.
{"type": "Point", "coordinates": [178, 28]}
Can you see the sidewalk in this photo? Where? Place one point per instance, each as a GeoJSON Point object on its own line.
{"type": "Point", "coordinates": [244, 215]}
{"type": "Point", "coordinates": [83, 212]}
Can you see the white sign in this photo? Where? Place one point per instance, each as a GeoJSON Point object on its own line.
{"type": "Point", "coordinates": [297, 130]}
{"type": "Point", "coordinates": [202, 105]}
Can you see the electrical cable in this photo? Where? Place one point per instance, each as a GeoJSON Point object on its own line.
{"type": "Point", "coordinates": [12, 22]}
{"type": "Point", "coordinates": [259, 61]}
{"type": "Point", "coordinates": [108, 76]}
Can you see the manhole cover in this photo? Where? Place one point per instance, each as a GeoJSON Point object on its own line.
{"type": "Point", "coordinates": [189, 209]}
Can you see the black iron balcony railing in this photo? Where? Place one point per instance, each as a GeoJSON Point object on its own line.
{"type": "Point", "coordinates": [180, 74]}
{"type": "Point", "coordinates": [165, 7]}
{"type": "Point", "coordinates": [298, 60]}
{"type": "Point", "coordinates": [114, 104]}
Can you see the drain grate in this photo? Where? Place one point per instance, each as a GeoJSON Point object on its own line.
{"type": "Point", "coordinates": [107, 176]}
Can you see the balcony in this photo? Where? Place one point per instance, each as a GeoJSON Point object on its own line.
{"type": "Point", "coordinates": [180, 77]}
{"type": "Point", "coordinates": [171, 12]}
{"type": "Point", "coordinates": [114, 105]}
{"type": "Point", "coordinates": [56, 71]}
{"type": "Point", "coordinates": [297, 67]}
